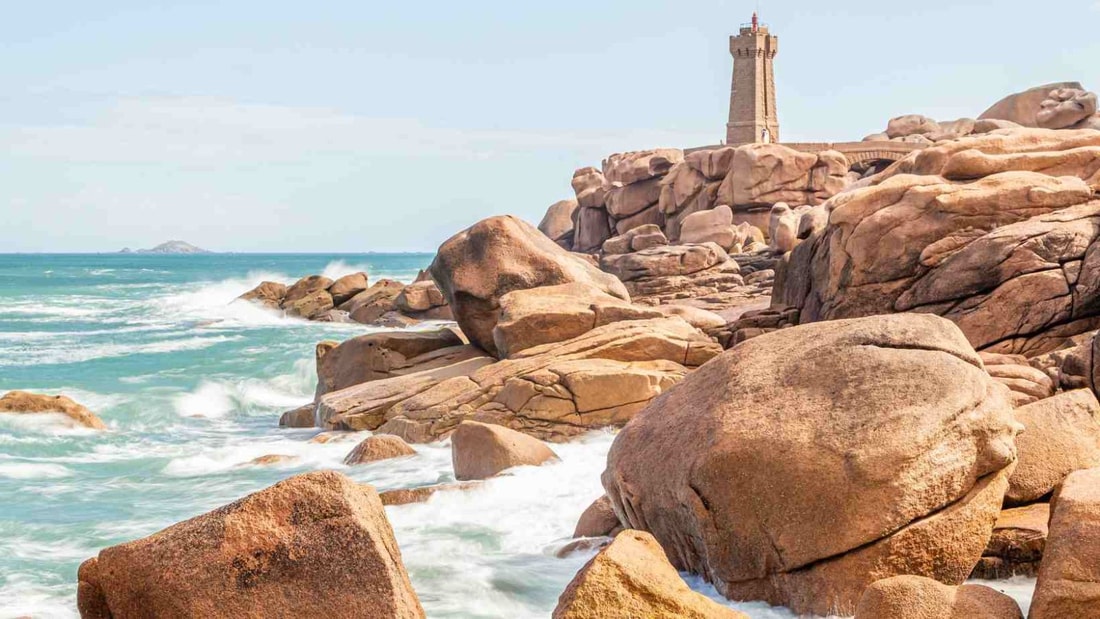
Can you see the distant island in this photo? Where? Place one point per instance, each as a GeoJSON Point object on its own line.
{"type": "Point", "coordinates": [169, 247]}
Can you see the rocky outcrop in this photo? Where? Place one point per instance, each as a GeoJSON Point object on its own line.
{"type": "Point", "coordinates": [387, 354]}
{"type": "Point", "coordinates": [387, 303]}
{"type": "Point", "coordinates": [419, 298]}
{"type": "Point", "coordinates": [666, 190]}
{"type": "Point", "coordinates": [782, 471]}
{"type": "Point", "coordinates": [495, 256]}
{"type": "Point", "coordinates": [642, 237]}
{"type": "Point", "coordinates": [1061, 435]}
{"type": "Point", "coordinates": [535, 316]}
{"type": "Point", "coordinates": [915, 597]}
{"type": "Point", "coordinates": [632, 578]}
{"type": "Point", "coordinates": [765, 174]}
{"type": "Point", "coordinates": [554, 391]}
{"type": "Point", "coordinates": [1037, 107]}
{"type": "Point", "coordinates": [558, 223]}
{"type": "Point", "coordinates": [267, 294]}
{"type": "Point", "coordinates": [314, 545]}
{"type": "Point", "coordinates": [598, 520]}
{"type": "Point", "coordinates": [1016, 547]}
{"type": "Point", "coordinates": [482, 450]}
{"type": "Point", "coordinates": [1069, 577]}
{"type": "Point", "coordinates": [348, 286]}
{"type": "Point", "coordinates": [26, 403]}
{"type": "Point", "coordinates": [380, 447]}
{"type": "Point", "coordinates": [995, 233]}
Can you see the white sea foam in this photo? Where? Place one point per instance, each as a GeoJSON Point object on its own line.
{"type": "Point", "coordinates": [32, 470]}
{"type": "Point", "coordinates": [338, 268]}
{"type": "Point", "coordinates": [238, 454]}
{"type": "Point", "coordinates": [22, 356]}
{"type": "Point", "coordinates": [218, 398]}
{"type": "Point", "coordinates": [24, 595]}
{"type": "Point", "coordinates": [51, 424]}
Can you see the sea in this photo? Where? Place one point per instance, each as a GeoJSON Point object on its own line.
{"type": "Point", "coordinates": [191, 385]}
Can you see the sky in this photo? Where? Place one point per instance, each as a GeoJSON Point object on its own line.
{"type": "Point", "coordinates": [360, 125]}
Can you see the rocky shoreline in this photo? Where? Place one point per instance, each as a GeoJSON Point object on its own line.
{"type": "Point", "coordinates": [839, 388]}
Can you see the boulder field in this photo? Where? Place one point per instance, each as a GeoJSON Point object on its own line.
{"type": "Point", "coordinates": [840, 387]}
{"type": "Point", "coordinates": [352, 298]}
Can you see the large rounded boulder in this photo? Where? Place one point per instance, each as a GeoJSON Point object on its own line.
{"type": "Point", "coordinates": [498, 255]}
{"type": "Point", "coordinates": [314, 545]}
{"type": "Point", "coordinates": [803, 465]}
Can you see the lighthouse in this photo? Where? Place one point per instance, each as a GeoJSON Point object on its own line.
{"type": "Point", "coordinates": [752, 117]}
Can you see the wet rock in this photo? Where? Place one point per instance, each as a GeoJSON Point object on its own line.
{"type": "Point", "coordinates": [379, 447]}
{"type": "Point", "coordinates": [305, 287]}
{"type": "Point", "coordinates": [310, 306]}
{"type": "Point", "coordinates": [26, 403]}
{"type": "Point", "coordinates": [347, 287]}
{"type": "Point", "coordinates": [313, 545]}
{"type": "Point", "coordinates": [598, 520]}
{"type": "Point", "coordinates": [632, 578]}
{"type": "Point", "coordinates": [301, 417]}
{"type": "Point", "coordinates": [371, 304]}
{"type": "Point", "coordinates": [481, 450]}
{"type": "Point", "coordinates": [748, 471]}
{"type": "Point", "coordinates": [272, 460]}
{"type": "Point", "coordinates": [407, 496]}
{"type": "Point", "coordinates": [268, 294]}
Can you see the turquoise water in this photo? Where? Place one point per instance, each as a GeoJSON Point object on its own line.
{"type": "Point", "coordinates": [191, 386]}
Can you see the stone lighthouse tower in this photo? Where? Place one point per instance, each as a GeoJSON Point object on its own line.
{"type": "Point", "coordinates": [752, 96]}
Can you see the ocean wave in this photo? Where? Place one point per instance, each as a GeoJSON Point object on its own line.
{"type": "Point", "coordinates": [338, 268]}
{"type": "Point", "coordinates": [21, 356]}
{"type": "Point", "coordinates": [238, 454]}
{"type": "Point", "coordinates": [217, 399]}
{"type": "Point", "coordinates": [24, 595]}
{"type": "Point", "coordinates": [32, 470]}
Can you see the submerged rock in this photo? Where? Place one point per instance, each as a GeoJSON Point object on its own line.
{"type": "Point", "coordinates": [598, 520]}
{"type": "Point", "coordinates": [631, 578]}
{"type": "Point", "coordinates": [804, 464]}
{"type": "Point", "coordinates": [314, 545]}
{"type": "Point", "coordinates": [380, 447]}
{"type": "Point", "coordinates": [481, 450]}
{"type": "Point", "coordinates": [26, 403]}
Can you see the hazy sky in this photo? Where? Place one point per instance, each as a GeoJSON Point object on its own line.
{"type": "Point", "coordinates": [360, 125]}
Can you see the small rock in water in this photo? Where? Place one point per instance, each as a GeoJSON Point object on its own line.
{"type": "Point", "coordinates": [481, 450]}
{"type": "Point", "coordinates": [272, 460]}
{"type": "Point", "coordinates": [25, 403]}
